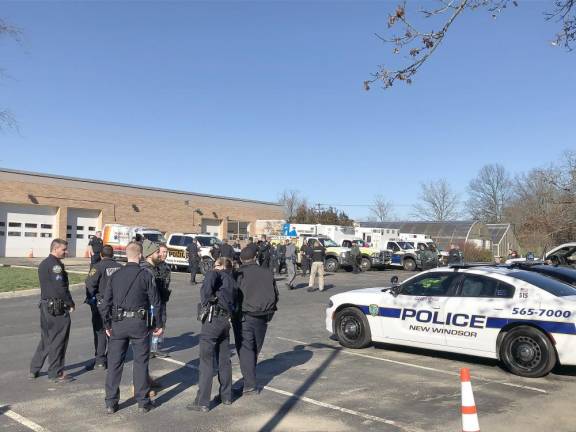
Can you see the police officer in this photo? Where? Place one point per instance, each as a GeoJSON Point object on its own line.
{"type": "Point", "coordinates": [55, 306]}
{"type": "Point", "coordinates": [264, 253]}
{"type": "Point", "coordinates": [95, 287]}
{"type": "Point", "coordinates": [305, 256]}
{"type": "Point", "coordinates": [130, 301]}
{"type": "Point", "coordinates": [96, 245]}
{"type": "Point", "coordinates": [259, 297]}
{"type": "Point", "coordinates": [290, 259]}
{"type": "Point", "coordinates": [218, 298]}
{"type": "Point", "coordinates": [151, 262]}
{"type": "Point", "coordinates": [356, 257]}
{"type": "Point", "coordinates": [281, 257]}
{"type": "Point", "coordinates": [226, 251]}
{"type": "Point", "coordinates": [455, 255]}
{"type": "Point", "coordinates": [193, 260]}
{"type": "Point", "coordinates": [162, 276]}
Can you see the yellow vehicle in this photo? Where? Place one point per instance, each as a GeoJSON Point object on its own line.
{"type": "Point", "coordinates": [336, 256]}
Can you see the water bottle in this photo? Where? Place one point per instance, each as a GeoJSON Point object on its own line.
{"type": "Point", "coordinates": [154, 345]}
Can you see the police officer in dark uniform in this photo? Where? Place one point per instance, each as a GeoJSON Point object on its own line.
{"type": "Point", "coordinates": [130, 302]}
{"type": "Point", "coordinates": [305, 257]}
{"type": "Point", "coordinates": [281, 256]}
{"type": "Point", "coordinates": [96, 245]}
{"type": "Point", "coordinates": [55, 306]}
{"type": "Point", "coordinates": [162, 276]}
{"type": "Point", "coordinates": [95, 287]}
{"type": "Point", "coordinates": [218, 302]}
{"type": "Point", "coordinates": [259, 297]}
{"type": "Point", "coordinates": [264, 253]}
{"type": "Point", "coordinates": [455, 255]}
{"type": "Point", "coordinates": [226, 251]}
{"type": "Point", "coordinates": [193, 260]}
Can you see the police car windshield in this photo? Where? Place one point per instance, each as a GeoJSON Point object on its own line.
{"type": "Point", "coordinates": [157, 238]}
{"type": "Point", "coordinates": [406, 245]}
{"type": "Point", "coordinates": [563, 274]}
{"type": "Point", "coordinates": [546, 283]}
{"type": "Point", "coordinates": [208, 241]}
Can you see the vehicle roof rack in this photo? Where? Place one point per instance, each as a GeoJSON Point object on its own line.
{"type": "Point", "coordinates": [524, 264]}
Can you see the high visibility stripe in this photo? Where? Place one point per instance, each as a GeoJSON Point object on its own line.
{"type": "Point", "coordinates": [465, 374]}
{"type": "Point", "coordinates": [469, 410]}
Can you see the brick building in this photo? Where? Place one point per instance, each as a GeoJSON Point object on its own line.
{"type": "Point", "coordinates": [35, 208]}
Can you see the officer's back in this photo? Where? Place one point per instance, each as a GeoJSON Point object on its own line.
{"type": "Point", "coordinates": [100, 274]}
{"type": "Point", "coordinates": [258, 289]}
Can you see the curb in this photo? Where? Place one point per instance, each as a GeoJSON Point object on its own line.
{"type": "Point", "coordinates": [36, 268]}
{"type": "Point", "coordinates": [31, 292]}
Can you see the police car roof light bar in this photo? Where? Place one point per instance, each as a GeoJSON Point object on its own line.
{"type": "Point", "coordinates": [471, 265]}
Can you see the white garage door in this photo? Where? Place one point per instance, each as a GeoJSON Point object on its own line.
{"type": "Point", "coordinates": [211, 226]}
{"type": "Point", "coordinates": [82, 224]}
{"type": "Point", "coordinates": [26, 229]}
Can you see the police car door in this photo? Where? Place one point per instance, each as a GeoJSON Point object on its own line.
{"type": "Point", "coordinates": [396, 258]}
{"type": "Point", "coordinates": [422, 301]}
{"type": "Point", "coordinates": [480, 301]}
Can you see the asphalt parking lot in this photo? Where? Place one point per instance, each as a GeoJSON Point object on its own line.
{"type": "Point", "coordinates": [311, 384]}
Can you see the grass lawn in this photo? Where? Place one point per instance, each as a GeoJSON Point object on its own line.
{"type": "Point", "coordinates": [14, 279]}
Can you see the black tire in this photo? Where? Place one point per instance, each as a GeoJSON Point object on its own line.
{"type": "Point", "coordinates": [527, 352]}
{"type": "Point", "coordinates": [409, 264]}
{"type": "Point", "coordinates": [365, 264]}
{"type": "Point", "coordinates": [352, 329]}
{"type": "Point", "coordinates": [206, 265]}
{"type": "Point", "coordinates": [331, 265]}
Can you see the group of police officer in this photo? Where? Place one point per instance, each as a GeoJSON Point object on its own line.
{"type": "Point", "coordinates": [128, 306]}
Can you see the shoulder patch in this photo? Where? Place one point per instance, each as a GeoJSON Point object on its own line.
{"type": "Point", "coordinates": [111, 270]}
{"type": "Point", "coordinates": [57, 269]}
{"type": "Point", "coordinates": [92, 271]}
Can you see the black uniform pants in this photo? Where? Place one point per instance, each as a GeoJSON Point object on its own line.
{"type": "Point", "coordinates": [95, 258]}
{"type": "Point", "coordinates": [249, 337]}
{"type": "Point", "coordinates": [193, 265]}
{"type": "Point", "coordinates": [356, 264]}
{"type": "Point", "coordinates": [134, 331]}
{"type": "Point", "coordinates": [305, 266]}
{"type": "Point", "coordinates": [100, 338]}
{"type": "Point", "coordinates": [55, 331]}
{"type": "Point", "coordinates": [214, 344]}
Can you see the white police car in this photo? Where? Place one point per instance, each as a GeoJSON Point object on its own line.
{"type": "Point", "coordinates": [525, 319]}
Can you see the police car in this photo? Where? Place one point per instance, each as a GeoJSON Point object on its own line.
{"type": "Point", "coordinates": [521, 317]}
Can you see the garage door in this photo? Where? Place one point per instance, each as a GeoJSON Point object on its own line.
{"type": "Point", "coordinates": [211, 226]}
{"type": "Point", "coordinates": [26, 229]}
{"type": "Point", "coordinates": [82, 224]}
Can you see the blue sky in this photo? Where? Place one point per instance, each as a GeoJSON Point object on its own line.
{"type": "Point", "coordinates": [250, 98]}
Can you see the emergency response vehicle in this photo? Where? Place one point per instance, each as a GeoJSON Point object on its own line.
{"type": "Point", "coordinates": [178, 255]}
{"type": "Point", "coordinates": [403, 255]}
{"type": "Point", "coordinates": [336, 256]}
{"type": "Point", "coordinates": [520, 317]}
{"type": "Point", "coordinates": [118, 236]}
{"type": "Point", "coordinates": [371, 257]}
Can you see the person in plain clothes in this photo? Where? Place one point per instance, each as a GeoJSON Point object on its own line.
{"type": "Point", "coordinates": [318, 254]}
{"type": "Point", "coordinates": [290, 262]}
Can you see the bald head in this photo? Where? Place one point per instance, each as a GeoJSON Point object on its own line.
{"type": "Point", "coordinates": [134, 252]}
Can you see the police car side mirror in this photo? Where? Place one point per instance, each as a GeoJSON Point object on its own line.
{"type": "Point", "coordinates": [394, 280]}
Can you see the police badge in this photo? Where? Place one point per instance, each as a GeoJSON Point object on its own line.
{"type": "Point", "coordinates": [57, 269]}
{"type": "Point", "coordinates": [373, 309]}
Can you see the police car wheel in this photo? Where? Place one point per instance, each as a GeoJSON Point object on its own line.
{"type": "Point", "coordinates": [365, 264]}
{"type": "Point", "coordinates": [409, 264]}
{"type": "Point", "coordinates": [528, 352]}
{"type": "Point", "coordinates": [352, 329]}
{"type": "Point", "coordinates": [331, 265]}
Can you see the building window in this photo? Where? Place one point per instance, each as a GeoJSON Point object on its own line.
{"type": "Point", "coordinates": [30, 234]}
{"type": "Point", "coordinates": [30, 225]}
{"type": "Point", "coordinates": [14, 234]}
{"type": "Point", "coordinates": [68, 235]}
{"type": "Point", "coordinates": [46, 235]}
{"type": "Point", "coordinates": [14, 224]}
{"type": "Point", "coordinates": [79, 236]}
{"type": "Point", "coordinates": [1, 233]}
{"type": "Point", "coordinates": [79, 228]}
{"type": "Point", "coordinates": [46, 226]}
{"type": "Point", "coordinates": [2, 224]}
{"type": "Point", "coordinates": [91, 228]}
{"type": "Point", "coordinates": [68, 227]}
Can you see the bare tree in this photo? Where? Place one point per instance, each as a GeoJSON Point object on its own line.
{"type": "Point", "coordinates": [489, 193]}
{"type": "Point", "coordinates": [381, 209]}
{"type": "Point", "coordinates": [7, 120]}
{"type": "Point", "coordinates": [437, 202]}
{"type": "Point", "coordinates": [291, 201]}
{"type": "Point", "coordinates": [418, 45]}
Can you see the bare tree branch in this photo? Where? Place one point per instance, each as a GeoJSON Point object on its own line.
{"type": "Point", "coordinates": [7, 119]}
{"type": "Point", "coordinates": [381, 209]}
{"type": "Point", "coordinates": [489, 193]}
{"type": "Point", "coordinates": [438, 202]}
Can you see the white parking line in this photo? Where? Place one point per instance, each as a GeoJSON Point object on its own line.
{"type": "Point", "coordinates": [313, 401]}
{"type": "Point", "coordinates": [22, 420]}
{"type": "Point", "coordinates": [412, 365]}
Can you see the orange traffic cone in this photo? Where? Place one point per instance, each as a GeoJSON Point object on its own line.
{"type": "Point", "coordinates": [469, 412]}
